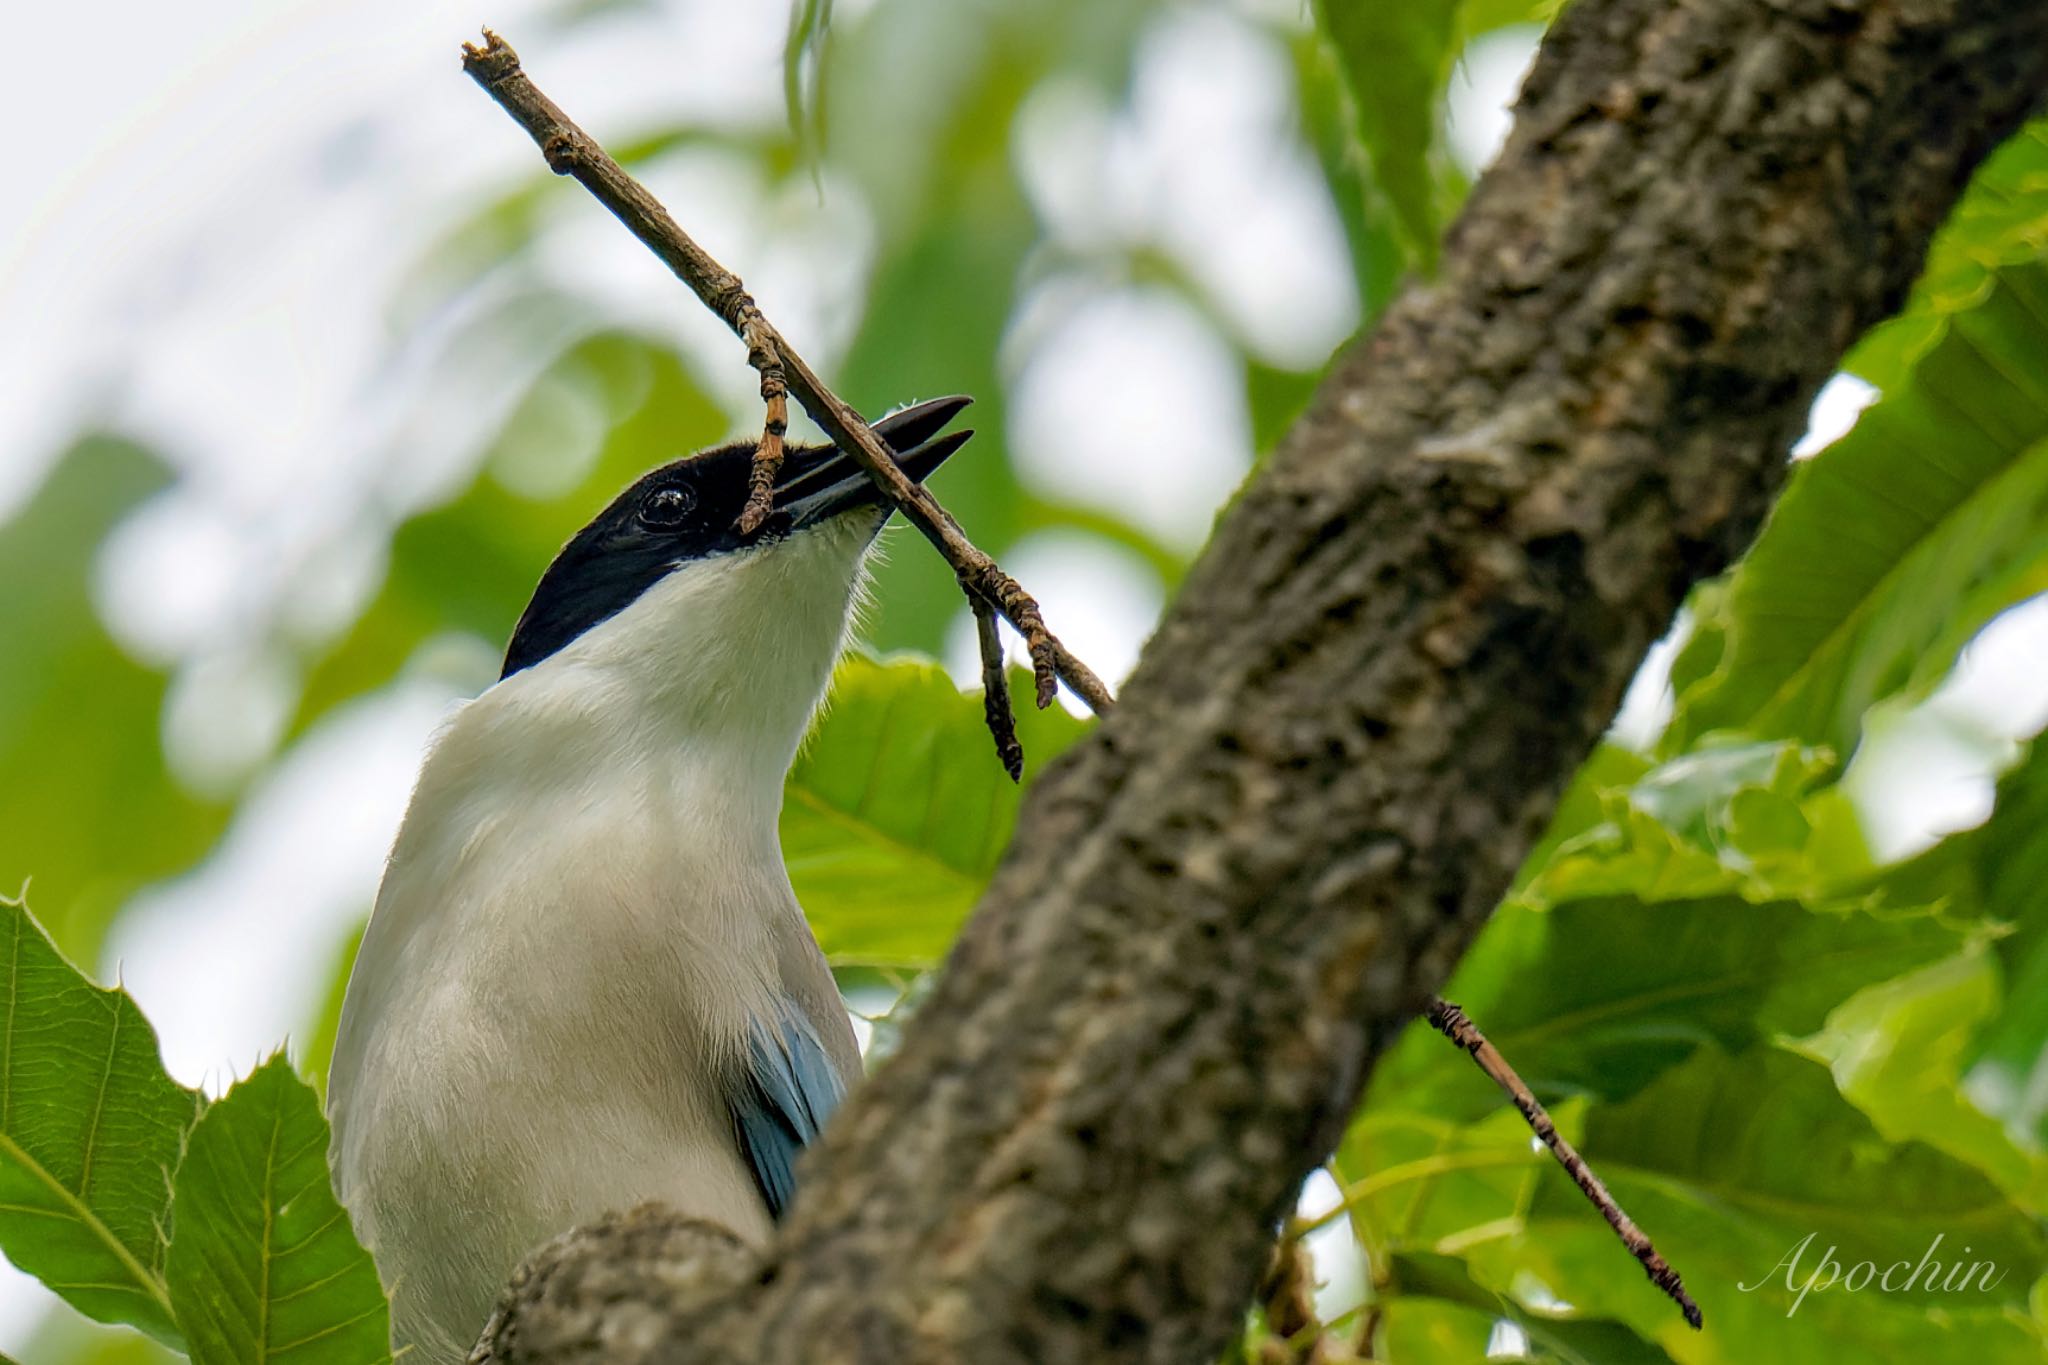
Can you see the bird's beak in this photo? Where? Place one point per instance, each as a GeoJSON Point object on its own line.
{"type": "Point", "coordinates": [821, 482]}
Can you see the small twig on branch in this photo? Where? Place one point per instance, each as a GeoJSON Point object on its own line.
{"type": "Point", "coordinates": [995, 689]}
{"type": "Point", "coordinates": [763, 356]}
{"type": "Point", "coordinates": [572, 152]}
{"type": "Point", "coordinates": [1450, 1021]}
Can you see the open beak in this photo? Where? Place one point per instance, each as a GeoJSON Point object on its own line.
{"type": "Point", "coordinates": [821, 482]}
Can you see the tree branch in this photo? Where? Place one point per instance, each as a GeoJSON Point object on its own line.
{"type": "Point", "coordinates": [571, 151]}
{"type": "Point", "coordinates": [1359, 711]}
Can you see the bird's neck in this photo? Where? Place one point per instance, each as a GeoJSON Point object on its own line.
{"type": "Point", "coordinates": [713, 673]}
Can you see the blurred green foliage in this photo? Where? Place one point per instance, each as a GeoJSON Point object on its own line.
{"type": "Point", "coordinates": [1753, 1027]}
{"type": "Point", "coordinates": [89, 808]}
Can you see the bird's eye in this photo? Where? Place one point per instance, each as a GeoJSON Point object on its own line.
{"type": "Point", "coordinates": [666, 507]}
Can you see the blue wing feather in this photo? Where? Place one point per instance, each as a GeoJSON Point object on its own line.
{"type": "Point", "coordinates": [783, 1100]}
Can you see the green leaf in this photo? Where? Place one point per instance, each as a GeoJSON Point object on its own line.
{"type": "Point", "coordinates": [2007, 862]}
{"type": "Point", "coordinates": [1396, 55]}
{"type": "Point", "coordinates": [1574, 1341]}
{"type": "Point", "coordinates": [896, 811]}
{"type": "Point", "coordinates": [1745, 1171]}
{"type": "Point", "coordinates": [1731, 1164]}
{"type": "Point", "coordinates": [264, 1267]}
{"type": "Point", "coordinates": [1423, 1330]}
{"type": "Point", "coordinates": [1893, 546]}
{"type": "Point", "coordinates": [1483, 16]}
{"type": "Point", "coordinates": [1610, 770]}
{"type": "Point", "coordinates": [1431, 1184]}
{"type": "Point", "coordinates": [1897, 1050]}
{"type": "Point", "coordinates": [1372, 237]}
{"type": "Point", "coordinates": [1412, 1179]}
{"type": "Point", "coordinates": [1997, 871]}
{"type": "Point", "coordinates": [1725, 818]}
{"type": "Point", "coordinates": [809, 21]}
{"type": "Point", "coordinates": [91, 1128]}
{"type": "Point", "coordinates": [2002, 218]}
{"type": "Point", "coordinates": [1603, 997]}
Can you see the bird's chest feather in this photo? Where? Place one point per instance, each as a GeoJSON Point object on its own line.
{"type": "Point", "coordinates": [611, 926]}
{"type": "Point", "coordinates": [544, 1005]}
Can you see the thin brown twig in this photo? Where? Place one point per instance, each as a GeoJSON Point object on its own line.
{"type": "Point", "coordinates": [1450, 1021]}
{"type": "Point", "coordinates": [571, 151]}
{"type": "Point", "coordinates": [995, 690]}
{"type": "Point", "coordinates": [764, 356]}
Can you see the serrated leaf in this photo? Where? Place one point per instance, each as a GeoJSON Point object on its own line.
{"type": "Point", "coordinates": [1897, 1051]}
{"type": "Point", "coordinates": [265, 1268]}
{"type": "Point", "coordinates": [1726, 818]}
{"type": "Point", "coordinates": [1894, 545]}
{"type": "Point", "coordinates": [896, 811]}
{"type": "Point", "coordinates": [1611, 769]}
{"type": "Point", "coordinates": [91, 1127]}
{"type": "Point", "coordinates": [2001, 218]}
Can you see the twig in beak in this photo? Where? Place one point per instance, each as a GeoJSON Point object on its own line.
{"type": "Point", "coordinates": [571, 151]}
{"type": "Point", "coordinates": [995, 690]}
{"type": "Point", "coordinates": [763, 356]}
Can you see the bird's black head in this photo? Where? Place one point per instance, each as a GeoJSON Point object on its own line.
{"type": "Point", "coordinates": [688, 510]}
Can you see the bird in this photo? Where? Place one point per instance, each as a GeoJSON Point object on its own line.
{"type": "Point", "coordinates": [586, 981]}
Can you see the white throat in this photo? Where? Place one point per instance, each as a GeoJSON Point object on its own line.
{"type": "Point", "coordinates": [725, 658]}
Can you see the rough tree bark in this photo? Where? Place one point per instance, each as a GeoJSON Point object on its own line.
{"type": "Point", "coordinates": [1358, 714]}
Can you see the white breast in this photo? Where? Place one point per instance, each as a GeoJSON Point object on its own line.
{"type": "Point", "coordinates": [547, 1044]}
{"type": "Point", "coordinates": [585, 909]}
